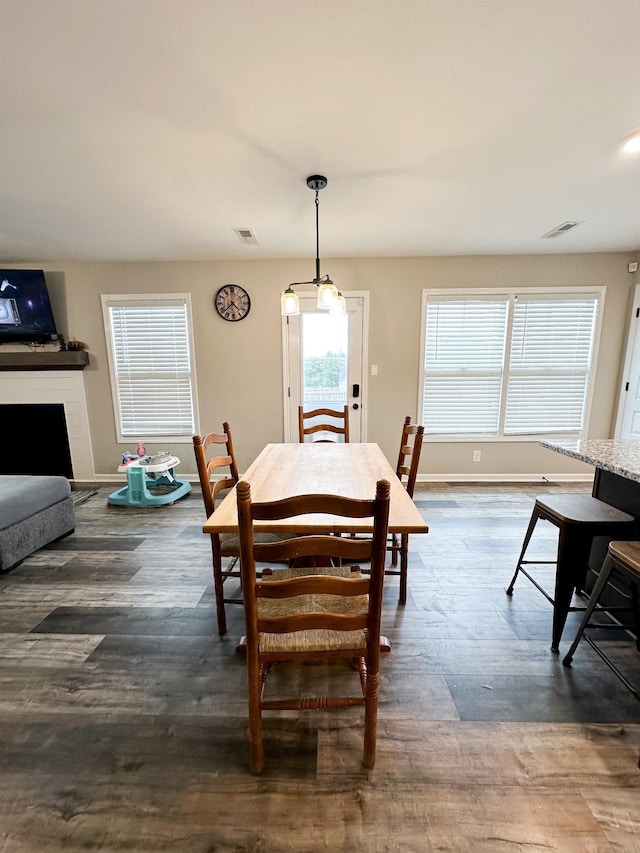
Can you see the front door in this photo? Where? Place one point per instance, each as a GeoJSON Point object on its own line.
{"type": "Point", "coordinates": [323, 363]}
{"type": "Point", "coordinates": [628, 421]}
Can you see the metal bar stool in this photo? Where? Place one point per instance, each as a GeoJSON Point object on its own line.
{"type": "Point", "coordinates": [625, 558]}
{"type": "Point", "coordinates": [579, 518]}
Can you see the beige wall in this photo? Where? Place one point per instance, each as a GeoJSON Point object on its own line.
{"type": "Point", "coordinates": [239, 365]}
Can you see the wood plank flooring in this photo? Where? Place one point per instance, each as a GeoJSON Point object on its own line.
{"type": "Point", "coordinates": [123, 717]}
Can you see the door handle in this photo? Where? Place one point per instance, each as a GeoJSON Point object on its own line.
{"type": "Point", "coordinates": [355, 406]}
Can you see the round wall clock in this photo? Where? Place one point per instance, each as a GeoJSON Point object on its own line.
{"type": "Point", "coordinates": [232, 302]}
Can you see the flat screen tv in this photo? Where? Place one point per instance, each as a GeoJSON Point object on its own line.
{"type": "Point", "coordinates": [25, 309]}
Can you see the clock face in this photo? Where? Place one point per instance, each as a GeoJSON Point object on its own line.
{"type": "Point", "coordinates": [232, 302]}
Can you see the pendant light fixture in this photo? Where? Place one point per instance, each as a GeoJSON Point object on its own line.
{"type": "Point", "coordinates": [329, 297]}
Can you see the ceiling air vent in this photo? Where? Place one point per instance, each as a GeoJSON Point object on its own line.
{"type": "Point", "coordinates": [247, 236]}
{"type": "Point", "coordinates": [561, 229]}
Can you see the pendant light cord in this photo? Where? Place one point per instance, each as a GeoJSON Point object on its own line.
{"type": "Point", "coordinates": [317, 238]}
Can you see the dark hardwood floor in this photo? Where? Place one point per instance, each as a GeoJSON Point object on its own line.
{"type": "Point", "coordinates": [124, 720]}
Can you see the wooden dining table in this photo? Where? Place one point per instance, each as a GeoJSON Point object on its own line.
{"type": "Point", "coordinates": [350, 470]}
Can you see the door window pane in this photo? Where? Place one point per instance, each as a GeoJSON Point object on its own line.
{"type": "Point", "coordinates": [325, 346]}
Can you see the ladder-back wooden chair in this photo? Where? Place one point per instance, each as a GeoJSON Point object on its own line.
{"type": "Point", "coordinates": [212, 484]}
{"type": "Point", "coordinates": [337, 425]}
{"type": "Point", "coordinates": [406, 471]}
{"type": "Point", "coordinates": [315, 613]}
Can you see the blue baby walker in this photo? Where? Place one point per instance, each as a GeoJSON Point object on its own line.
{"type": "Point", "coordinates": [151, 481]}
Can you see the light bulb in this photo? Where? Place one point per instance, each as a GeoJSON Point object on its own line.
{"type": "Point", "coordinates": [327, 294]}
{"type": "Point", "coordinates": [289, 303]}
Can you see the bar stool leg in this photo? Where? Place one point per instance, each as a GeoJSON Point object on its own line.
{"type": "Point", "coordinates": [603, 578]}
{"type": "Point", "coordinates": [535, 515]}
{"type": "Point", "coordinates": [636, 614]}
{"type": "Point", "coordinates": [573, 554]}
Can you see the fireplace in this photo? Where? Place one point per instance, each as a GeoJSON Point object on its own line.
{"type": "Point", "coordinates": [61, 388]}
{"type": "Point", "coordinates": [35, 439]}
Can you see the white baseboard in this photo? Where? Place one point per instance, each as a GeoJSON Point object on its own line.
{"type": "Point", "coordinates": [505, 478]}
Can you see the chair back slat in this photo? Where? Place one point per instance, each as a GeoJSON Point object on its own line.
{"type": "Point", "coordinates": [309, 504]}
{"type": "Point", "coordinates": [347, 550]}
{"type": "Point", "coordinates": [313, 622]}
{"type": "Point", "coordinates": [312, 585]}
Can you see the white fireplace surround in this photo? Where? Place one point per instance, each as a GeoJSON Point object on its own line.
{"type": "Point", "coordinates": [56, 386]}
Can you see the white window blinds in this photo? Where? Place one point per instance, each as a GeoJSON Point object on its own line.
{"type": "Point", "coordinates": [151, 366]}
{"type": "Point", "coordinates": [551, 348]}
{"type": "Point", "coordinates": [513, 364]}
{"type": "Point", "coordinates": [464, 356]}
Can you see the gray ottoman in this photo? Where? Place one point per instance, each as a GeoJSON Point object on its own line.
{"type": "Point", "coordinates": [34, 511]}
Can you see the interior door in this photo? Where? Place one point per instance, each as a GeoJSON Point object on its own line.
{"type": "Point", "coordinates": [323, 363]}
{"type": "Point", "coordinates": [628, 420]}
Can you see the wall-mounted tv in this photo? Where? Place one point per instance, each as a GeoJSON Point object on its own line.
{"type": "Point", "coordinates": [25, 309]}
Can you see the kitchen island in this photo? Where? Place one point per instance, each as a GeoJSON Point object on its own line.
{"type": "Point", "coordinates": [614, 456]}
{"type": "Point", "coordinates": [617, 463]}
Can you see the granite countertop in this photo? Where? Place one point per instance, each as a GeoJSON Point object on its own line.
{"type": "Point", "coordinates": [618, 456]}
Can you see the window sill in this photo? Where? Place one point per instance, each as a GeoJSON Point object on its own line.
{"type": "Point", "coordinates": [493, 439]}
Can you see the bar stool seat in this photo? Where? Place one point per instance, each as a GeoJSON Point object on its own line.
{"type": "Point", "coordinates": [625, 558]}
{"type": "Point", "coordinates": [579, 518]}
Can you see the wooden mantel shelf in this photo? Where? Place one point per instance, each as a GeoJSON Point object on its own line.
{"type": "Point", "coordinates": [68, 360]}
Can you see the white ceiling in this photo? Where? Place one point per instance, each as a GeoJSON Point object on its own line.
{"type": "Point", "coordinates": [150, 129]}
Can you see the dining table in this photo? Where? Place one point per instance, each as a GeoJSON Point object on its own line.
{"type": "Point", "coordinates": [347, 469]}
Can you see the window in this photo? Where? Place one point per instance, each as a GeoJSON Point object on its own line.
{"type": "Point", "coordinates": [151, 365]}
{"type": "Point", "coordinates": [506, 363]}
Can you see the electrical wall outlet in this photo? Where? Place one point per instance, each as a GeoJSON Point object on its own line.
{"type": "Point", "coordinates": [476, 455]}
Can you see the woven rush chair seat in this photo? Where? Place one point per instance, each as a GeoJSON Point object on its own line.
{"type": "Point", "coordinates": [313, 612]}
{"type": "Point", "coordinates": [230, 542]}
{"type": "Point", "coordinates": [303, 641]}
{"type": "Point", "coordinates": [579, 519]}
